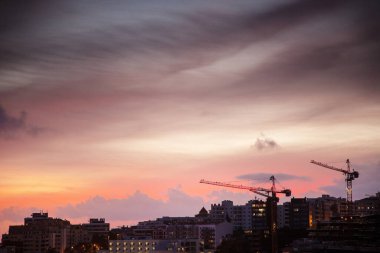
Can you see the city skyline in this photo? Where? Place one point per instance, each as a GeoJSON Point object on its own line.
{"type": "Point", "coordinates": [119, 109]}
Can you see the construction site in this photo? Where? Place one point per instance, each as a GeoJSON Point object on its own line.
{"type": "Point", "coordinates": [329, 225]}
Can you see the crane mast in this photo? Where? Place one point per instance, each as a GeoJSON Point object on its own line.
{"type": "Point", "coordinates": [350, 176]}
{"type": "Point", "coordinates": [272, 199]}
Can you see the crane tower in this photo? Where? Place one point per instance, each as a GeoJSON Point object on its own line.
{"type": "Point", "coordinates": [272, 199]}
{"type": "Point", "coordinates": [350, 176]}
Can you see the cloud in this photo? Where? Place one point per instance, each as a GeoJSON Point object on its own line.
{"type": "Point", "coordinates": [264, 177]}
{"type": "Point", "coordinates": [265, 143]}
{"type": "Point", "coordinates": [155, 32]}
{"type": "Point", "coordinates": [16, 214]}
{"type": "Point", "coordinates": [121, 43]}
{"type": "Point", "coordinates": [138, 206]}
{"type": "Point", "coordinates": [11, 125]}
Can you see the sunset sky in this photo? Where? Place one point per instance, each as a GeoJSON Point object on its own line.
{"type": "Point", "coordinates": [117, 109]}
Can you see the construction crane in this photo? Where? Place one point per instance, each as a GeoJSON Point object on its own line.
{"type": "Point", "coordinates": [350, 176]}
{"type": "Point", "coordinates": [272, 199]}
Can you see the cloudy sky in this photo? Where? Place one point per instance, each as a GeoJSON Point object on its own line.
{"type": "Point", "coordinates": [117, 109]}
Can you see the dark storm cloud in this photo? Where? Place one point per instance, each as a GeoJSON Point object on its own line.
{"type": "Point", "coordinates": [11, 125]}
{"type": "Point", "coordinates": [264, 177]}
{"type": "Point", "coordinates": [342, 55]}
{"type": "Point", "coordinates": [36, 36]}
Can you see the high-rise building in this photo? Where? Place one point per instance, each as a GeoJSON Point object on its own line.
{"type": "Point", "coordinates": [259, 215]}
{"type": "Point", "coordinates": [40, 233]}
{"type": "Point", "coordinates": [299, 213]}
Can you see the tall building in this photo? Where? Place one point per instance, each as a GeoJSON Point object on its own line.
{"type": "Point", "coordinates": [259, 215]}
{"type": "Point", "coordinates": [39, 233]}
{"type": "Point", "coordinates": [260, 228]}
{"type": "Point", "coordinates": [299, 213]}
{"type": "Point", "coordinates": [283, 215]}
{"type": "Point", "coordinates": [242, 217]}
{"type": "Point", "coordinates": [239, 215]}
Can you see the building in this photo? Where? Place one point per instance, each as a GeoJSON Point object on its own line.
{"type": "Point", "coordinates": [242, 217]}
{"type": "Point", "coordinates": [299, 214]}
{"type": "Point", "coordinates": [260, 228]}
{"type": "Point", "coordinates": [78, 234]}
{"type": "Point", "coordinates": [345, 234]}
{"type": "Point", "coordinates": [212, 235]}
{"type": "Point", "coordinates": [176, 229]}
{"type": "Point", "coordinates": [239, 215]}
{"type": "Point", "coordinates": [97, 227]}
{"type": "Point", "coordinates": [221, 212]}
{"type": "Point", "coordinates": [283, 215]}
{"type": "Point", "coordinates": [156, 246]}
{"type": "Point", "coordinates": [39, 233]}
{"type": "Point", "coordinates": [368, 206]}
{"type": "Point", "coordinates": [178, 238]}
{"type": "Point", "coordinates": [259, 215]}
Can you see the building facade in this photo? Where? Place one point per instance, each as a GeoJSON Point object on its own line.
{"type": "Point", "coordinates": [39, 234]}
{"type": "Point", "coordinates": [156, 246]}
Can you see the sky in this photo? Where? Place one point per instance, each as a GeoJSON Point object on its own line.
{"type": "Point", "coordinates": [117, 109]}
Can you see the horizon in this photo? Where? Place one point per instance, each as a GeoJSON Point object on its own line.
{"type": "Point", "coordinates": [118, 109]}
{"type": "Point", "coordinates": [155, 218]}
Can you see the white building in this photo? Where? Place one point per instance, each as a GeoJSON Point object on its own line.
{"type": "Point", "coordinates": [155, 246]}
